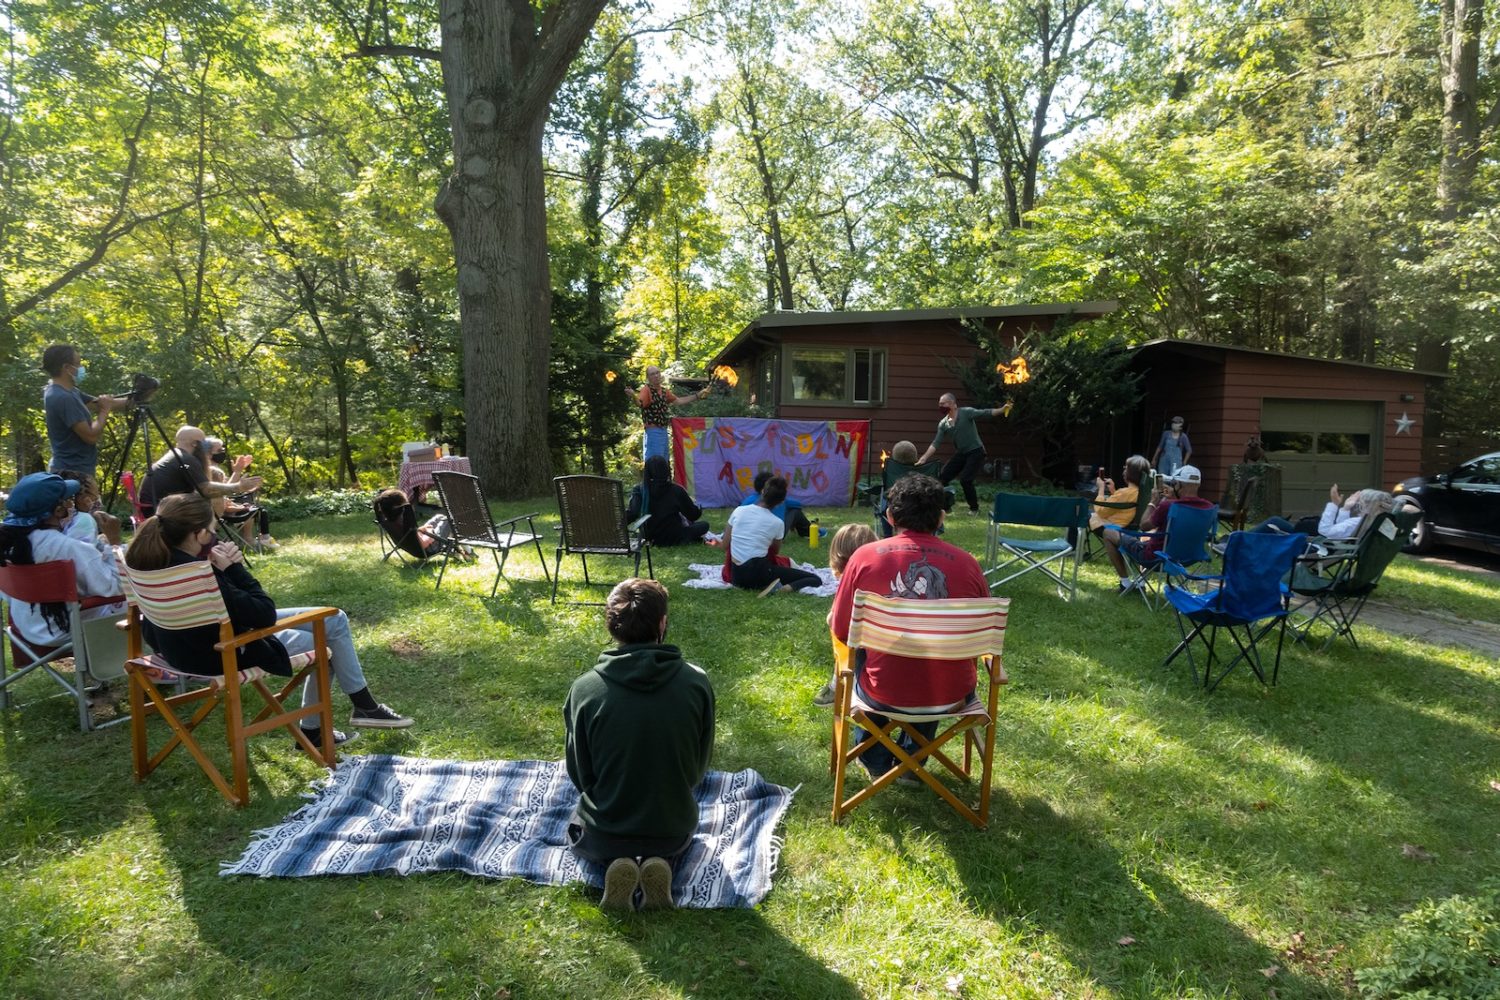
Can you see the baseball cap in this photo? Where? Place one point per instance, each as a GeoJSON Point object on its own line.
{"type": "Point", "coordinates": [36, 496]}
{"type": "Point", "coordinates": [1186, 474]}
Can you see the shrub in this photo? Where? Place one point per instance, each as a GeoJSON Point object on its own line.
{"type": "Point", "coordinates": [319, 504]}
{"type": "Point", "coordinates": [1448, 949]}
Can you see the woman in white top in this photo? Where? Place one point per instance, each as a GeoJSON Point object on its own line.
{"type": "Point", "coordinates": [753, 537]}
{"type": "Point", "coordinates": [36, 513]}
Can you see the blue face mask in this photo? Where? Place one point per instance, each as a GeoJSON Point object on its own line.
{"type": "Point", "coordinates": [78, 376]}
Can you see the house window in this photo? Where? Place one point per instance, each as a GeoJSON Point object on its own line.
{"type": "Point", "coordinates": [853, 375]}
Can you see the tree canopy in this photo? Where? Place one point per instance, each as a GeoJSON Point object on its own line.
{"type": "Point", "coordinates": [331, 227]}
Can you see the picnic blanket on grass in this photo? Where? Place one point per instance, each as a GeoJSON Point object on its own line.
{"type": "Point", "coordinates": [711, 578]}
{"type": "Point", "coordinates": [503, 819]}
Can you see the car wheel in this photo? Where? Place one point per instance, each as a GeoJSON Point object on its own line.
{"type": "Point", "coordinates": [1421, 535]}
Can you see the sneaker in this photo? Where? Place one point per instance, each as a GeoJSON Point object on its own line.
{"type": "Point", "coordinates": [266, 543]}
{"type": "Point", "coordinates": [379, 717]}
{"type": "Point", "coordinates": [656, 884]}
{"type": "Point", "coordinates": [824, 697]}
{"type": "Point", "coordinates": [620, 880]}
{"type": "Point", "coordinates": [340, 738]}
{"type": "Point", "coordinates": [1126, 586]}
{"type": "Point", "coordinates": [771, 588]}
{"type": "Point", "coordinates": [908, 778]}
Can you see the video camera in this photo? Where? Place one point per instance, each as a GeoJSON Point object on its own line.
{"type": "Point", "coordinates": [142, 388]}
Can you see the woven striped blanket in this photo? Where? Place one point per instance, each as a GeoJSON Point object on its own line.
{"type": "Point", "coordinates": [507, 818]}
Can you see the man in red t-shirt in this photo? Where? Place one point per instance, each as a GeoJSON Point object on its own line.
{"type": "Point", "coordinates": [1181, 487]}
{"type": "Point", "coordinates": [916, 565]}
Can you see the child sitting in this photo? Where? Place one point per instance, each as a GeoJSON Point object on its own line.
{"type": "Point", "coordinates": [845, 541]}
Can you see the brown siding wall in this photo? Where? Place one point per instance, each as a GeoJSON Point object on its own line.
{"type": "Point", "coordinates": [919, 359]}
{"type": "Point", "coordinates": [1251, 379]}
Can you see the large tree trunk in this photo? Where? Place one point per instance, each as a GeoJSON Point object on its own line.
{"type": "Point", "coordinates": [495, 208]}
{"type": "Point", "coordinates": [499, 76]}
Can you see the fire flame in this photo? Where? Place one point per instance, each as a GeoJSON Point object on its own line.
{"type": "Point", "coordinates": [884, 455]}
{"type": "Point", "coordinates": [727, 375]}
{"type": "Point", "coordinates": [610, 376]}
{"type": "Point", "coordinates": [1015, 373]}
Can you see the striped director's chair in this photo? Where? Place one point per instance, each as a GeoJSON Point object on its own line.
{"type": "Point", "coordinates": [187, 597]}
{"type": "Point", "coordinates": [957, 629]}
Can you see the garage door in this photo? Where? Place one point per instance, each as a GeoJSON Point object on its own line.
{"type": "Point", "coordinates": [1320, 442]}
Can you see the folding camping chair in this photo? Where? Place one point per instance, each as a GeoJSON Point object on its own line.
{"type": "Point", "coordinates": [1068, 513]}
{"type": "Point", "coordinates": [396, 526]}
{"type": "Point", "coordinates": [958, 629]}
{"type": "Point", "coordinates": [592, 510]}
{"type": "Point", "coordinates": [1136, 507]}
{"type": "Point", "coordinates": [137, 512]}
{"type": "Point", "coordinates": [1188, 534]}
{"type": "Point", "coordinates": [469, 515]}
{"type": "Point", "coordinates": [1338, 581]}
{"type": "Point", "coordinates": [95, 646]}
{"type": "Point", "coordinates": [893, 471]}
{"type": "Point", "coordinates": [186, 597]}
{"type": "Point", "coordinates": [1247, 603]}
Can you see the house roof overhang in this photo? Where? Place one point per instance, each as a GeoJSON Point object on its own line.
{"type": "Point", "coordinates": [1205, 351]}
{"type": "Point", "coordinates": [769, 328]}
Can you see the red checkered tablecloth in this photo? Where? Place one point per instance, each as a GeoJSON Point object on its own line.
{"type": "Point", "coordinates": [418, 475]}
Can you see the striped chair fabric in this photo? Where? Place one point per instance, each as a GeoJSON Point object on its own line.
{"type": "Point", "coordinates": [956, 629]}
{"type": "Point", "coordinates": [177, 597]}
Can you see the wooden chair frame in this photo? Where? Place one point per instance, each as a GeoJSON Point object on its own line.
{"type": "Point", "coordinates": [974, 720]}
{"type": "Point", "coordinates": [225, 687]}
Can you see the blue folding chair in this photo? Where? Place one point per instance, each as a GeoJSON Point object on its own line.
{"type": "Point", "coordinates": [1188, 533]}
{"type": "Point", "coordinates": [1068, 513]}
{"type": "Point", "coordinates": [1248, 602]}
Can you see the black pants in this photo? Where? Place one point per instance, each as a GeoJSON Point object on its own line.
{"type": "Point", "coordinates": [755, 574]}
{"type": "Point", "coordinates": [965, 465]}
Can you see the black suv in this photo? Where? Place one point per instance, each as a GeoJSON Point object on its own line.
{"type": "Point", "coordinates": [1460, 507]}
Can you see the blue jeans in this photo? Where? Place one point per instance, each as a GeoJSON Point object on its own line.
{"type": "Point", "coordinates": [878, 759]}
{"type": "Point", "coordinates": [342, 659]}
{"type": "Point", "coordinates": [656, 442]}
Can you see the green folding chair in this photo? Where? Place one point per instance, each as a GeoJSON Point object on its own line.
{"type": "Point", "coordinates": [1022, 554]}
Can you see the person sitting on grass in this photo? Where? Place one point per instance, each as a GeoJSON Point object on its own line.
{"type": "Point", "coordinates": [674, 514]}
{"type": "Point", "coordinates": [182, 527]}
{"type": "Point", "coordinates": [845, 541]}
{"type": "Point", "coordinates": [34, 532]}
{"type": "Point", "coordinates": [789, 510]}
{"type": "Point", "coordinates": [753, 537]}
{"type": "Point", "coordinates": [914, 565]}
{"type": "Point", "coordinates": [639, 733]}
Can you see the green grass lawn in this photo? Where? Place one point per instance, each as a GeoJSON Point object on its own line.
{"type": "Point", "coordinates": [1146, 840]}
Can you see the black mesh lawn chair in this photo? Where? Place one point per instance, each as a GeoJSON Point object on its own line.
{"type": "Point", "coordinates": [592, 509]}
{"type": "Point", "coordinates": [1338, 581]}
{"type": "Point", "coordinates": [473, 528]}
{"type": "Point", "coordinates": [396, 520]}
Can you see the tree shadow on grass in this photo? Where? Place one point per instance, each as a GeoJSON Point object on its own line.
{"type": "Point", "coordinates": [1045, 876]}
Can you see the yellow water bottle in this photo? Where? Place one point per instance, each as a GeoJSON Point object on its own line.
{"type": "Point", "coordinates": [812, 534]}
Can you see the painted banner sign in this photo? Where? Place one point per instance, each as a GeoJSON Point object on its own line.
{"type": "Point", "coordinates": [716, 459]}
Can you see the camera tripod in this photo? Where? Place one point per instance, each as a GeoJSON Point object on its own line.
{"type": "Point", "coordinates": [141, 421]}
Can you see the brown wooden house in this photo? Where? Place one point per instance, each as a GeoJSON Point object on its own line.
{"type": "Point", "coordinates": [886, 367]}
{"type": "Point", "coordinates": [1323, 421]}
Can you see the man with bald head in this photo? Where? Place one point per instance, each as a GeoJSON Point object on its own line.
{"type": "Point", "coordinates": [184, 469]}
{"type": "Point", "coordinates": [958, 423]}
{"type": "Point", "coordinates": [655, 400]}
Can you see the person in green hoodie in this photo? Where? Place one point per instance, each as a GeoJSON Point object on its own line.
{"type": "Point", "coordinates": [640, 730]}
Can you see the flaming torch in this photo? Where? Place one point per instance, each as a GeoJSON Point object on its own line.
{"type": "Point", "coordinates": [610, 376]}
{"type": "Point", "coordinates": [1015, 373]}
{"type": "Point", "coordinates": [727, 375]}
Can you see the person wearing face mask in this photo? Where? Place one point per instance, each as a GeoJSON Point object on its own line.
{"type": "Point", "coordinates": [968, 459]}
{"type": "Point", "coordinates": [639, 734]}
{"type": "Point", "coordinates": [1174, 450]}
{"type": "Point", "coordinates": [75, 420]}
{"type": "Point", "coordinates": [184, 469]}
{"type": "Point", "coordinates": [36, 513]}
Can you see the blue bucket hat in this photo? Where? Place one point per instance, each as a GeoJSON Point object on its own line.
{"type": "Point", "coordinates": [36, 496]}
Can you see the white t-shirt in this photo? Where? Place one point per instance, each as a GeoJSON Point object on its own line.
{"type": "Point", "coordinates": [97, 577]}
{"type": "Point", "coordinates": [752, 530]}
